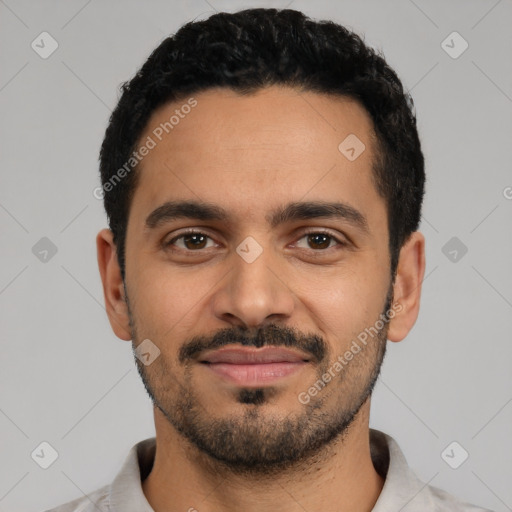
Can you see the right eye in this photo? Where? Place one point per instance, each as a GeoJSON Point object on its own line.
{"type": "Point", "coordinates": [192, 241]}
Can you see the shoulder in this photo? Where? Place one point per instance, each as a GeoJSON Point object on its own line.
{"type": "Point", "coordinates": [97, 501]}
{"type": "Point", "coordinates": [403, 490]}
{"type": "Point", "coordinates": [445, 502]}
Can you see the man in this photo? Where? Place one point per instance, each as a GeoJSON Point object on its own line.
{"type": "Point", "coordinates": [263, 179]}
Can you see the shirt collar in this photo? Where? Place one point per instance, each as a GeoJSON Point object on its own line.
{"type": "Point", "coordinates": [402, 489]}
{"type": "Point", "coordinates": [126, 493]}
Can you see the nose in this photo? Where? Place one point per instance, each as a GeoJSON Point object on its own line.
{"type": "Point", "coordinates": [254, 292]}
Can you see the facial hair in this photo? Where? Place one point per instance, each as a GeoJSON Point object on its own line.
{"type": "Point", "coordinates": [255, 442]}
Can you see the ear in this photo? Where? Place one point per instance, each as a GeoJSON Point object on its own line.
{"type": "Point", "coordinates": [113, 289]}
{"type": "Point", "coordinates": [407, 287]}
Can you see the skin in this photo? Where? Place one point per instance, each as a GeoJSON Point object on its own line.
{"type": "Point", "coordinates": [251, 154]}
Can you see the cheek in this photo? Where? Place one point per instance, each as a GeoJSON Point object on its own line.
{"type": "Point", "coordinates": [166, 301]}
{"type": "Point", "coordinates": [344, 304]}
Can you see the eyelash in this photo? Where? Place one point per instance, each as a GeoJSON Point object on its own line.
{"type": "Point", "coordinates": [340, 243]}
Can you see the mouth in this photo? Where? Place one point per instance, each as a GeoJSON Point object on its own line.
{"type": "Point", "coordinates": [246, 366]}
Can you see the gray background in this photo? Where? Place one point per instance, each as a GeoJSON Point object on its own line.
{"type": "Point", "coordinates": [67, 380]}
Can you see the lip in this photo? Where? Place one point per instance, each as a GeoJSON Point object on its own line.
{"type": "Point", "coordinates": [244, 366]}
{"type": "Point", "coordinates": [254, 375]}
{"type": "Point", "coordinates": [253, 356]}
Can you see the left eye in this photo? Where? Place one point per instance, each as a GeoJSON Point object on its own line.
{"type": "Point", "coordinates": [321, 240]}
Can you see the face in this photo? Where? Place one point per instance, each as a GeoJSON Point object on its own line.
{"type": "Point", "coordinates": [267, 265]}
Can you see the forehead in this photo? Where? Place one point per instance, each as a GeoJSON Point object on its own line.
{"type": "Point", "coordinates": [248, 151]}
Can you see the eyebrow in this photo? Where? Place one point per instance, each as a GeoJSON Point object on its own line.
{"type": "Point", "coordinates": [173, 210]}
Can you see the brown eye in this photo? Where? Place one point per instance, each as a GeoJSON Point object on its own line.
{"type": "Point", "coordinates": [192, 241]}
{"type": "Point", "coordinates": [319, 241]}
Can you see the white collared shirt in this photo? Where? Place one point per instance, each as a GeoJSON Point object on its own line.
{"type": "Point", "coordinates": [402, 490]}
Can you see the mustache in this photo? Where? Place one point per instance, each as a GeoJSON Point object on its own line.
{"type": "Point", "coordinates": [268, 335]}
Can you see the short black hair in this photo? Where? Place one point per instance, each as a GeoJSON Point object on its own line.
{"type": "Point", "coordinates": [247, 51]}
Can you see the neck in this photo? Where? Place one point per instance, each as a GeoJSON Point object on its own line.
{"type": "Point", "coordinates": [342, 477]}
